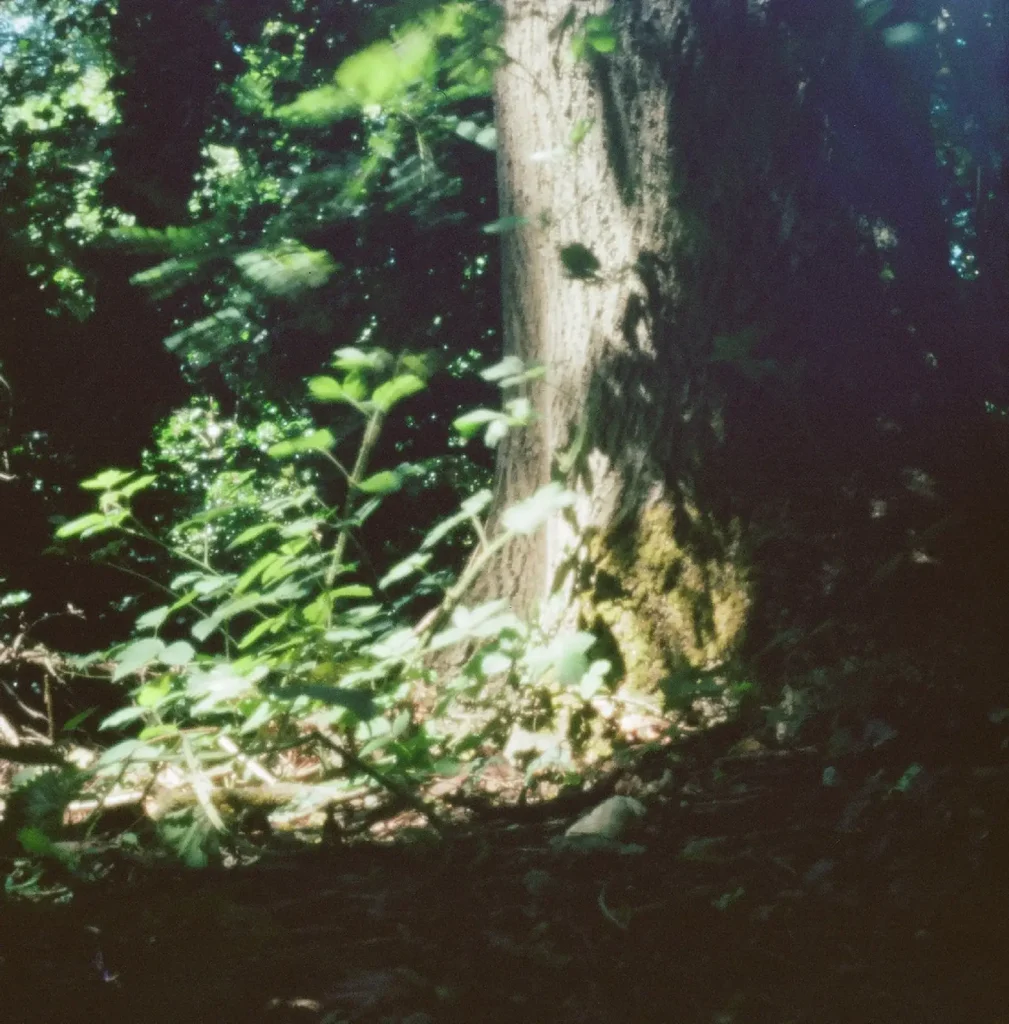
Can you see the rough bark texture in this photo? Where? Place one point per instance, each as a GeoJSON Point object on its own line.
{"type": "Point", "coordinates": [669, 190]}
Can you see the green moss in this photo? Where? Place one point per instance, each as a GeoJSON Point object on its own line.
{"type": "Point", "coordinates": [672, 608]}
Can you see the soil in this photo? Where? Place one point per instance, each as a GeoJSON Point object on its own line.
{"type": "Point", "coordinates": [760, 887]}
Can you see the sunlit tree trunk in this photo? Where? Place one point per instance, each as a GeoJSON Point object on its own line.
{"type": "Point", "coordinates": [640, 175]}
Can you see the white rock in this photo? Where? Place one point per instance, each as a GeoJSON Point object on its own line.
{"type": "Point", "coordinates": [611, 820]}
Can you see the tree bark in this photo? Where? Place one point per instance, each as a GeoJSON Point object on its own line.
{"type": "Point", "coordinates": [660, 159]}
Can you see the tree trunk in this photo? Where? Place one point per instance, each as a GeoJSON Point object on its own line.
{"type": "Point", "coordinates": [642, 178]}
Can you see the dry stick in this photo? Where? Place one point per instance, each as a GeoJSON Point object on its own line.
{"type": "Point", "coordinates": [401, 792]}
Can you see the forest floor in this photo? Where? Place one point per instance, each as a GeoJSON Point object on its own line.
{"type": "Point", "coordinates": [765, 891]}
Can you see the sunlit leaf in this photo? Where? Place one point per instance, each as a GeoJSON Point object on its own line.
{"type": "Point", "coordinates": [154, 618]}
{"type": "Point", "coordinates": [259, 717]}
{"type": "Point", "coordinates": [388, 394]}
{"type": "Point", "coordinates": [177, 654]}
{"type": "Point", "coordinates": [317, 440]}
{"type": "Point", "coordinates": [355, 590]}
{"type": "Point", "coordinates": [153, 694]}
{"type": "Point", "coordinates": [162, 731]}
{"type": "Point", "coordinates": [286, 269]}
{"type": "Point", "coordinates": [528, 516]}
{"type": "Point", "coordinates": [361, 704]}
{"type": "Point", "coordinates": [327, 389]}
{"type": "Point", "coordinates": [469, 423]}
{"type": "Point", "coordinates": [124, 716]}
{"type": "Point", "coordinates": [384, 482]}
{"type": "Point", "coordinates": [357, 359]}
{"type": "Point", "coordinates": [129, 750]}
{"type": "Point", "coordinates": [136, 656]}
{"type": "Point", "coordinates": [414, 563]}
{"type": "Point", "coordinates": [106, 480]}
{"type": "Point", "coordinates": [251, 534]}
{"type": "Point", "coordinates": [503, 225]}
{"type": "Point", "coordinates": [82, 525]}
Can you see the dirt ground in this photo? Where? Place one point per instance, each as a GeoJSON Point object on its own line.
{"type": "Point", "coordinates": [759, 889]}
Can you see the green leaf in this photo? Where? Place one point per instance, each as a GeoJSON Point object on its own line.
{"type": "Point", "coordinates": [35, 841]}
{"type": "Point", "coordinates": [106, 480]}
{"type": "Point", "coordinates": [361, 704]}
{"type": "Point", "coordinates": [495, 432]}
{"type": "Point", "coordinates": [327, 389]}
{"type": "Point", "coordinates": [495, 663]}
{"type": "Point", "coordinates": [202, 629]}
{"type": "Point", "coordinates": [579, 261]}
{"type": "Point", "coordinates": [259, 717]}
{"type": "Point", "coordinates": [158, 732]}
{"type": "Point", "coordinates": [413, 563]}
{"type": "Point", "coordinates": [470, 509]}
{"type": "Point", "coordinates": [82, 525]}
{"type": "Point", "coordinates": [139, 654]}
{"type": "Point", "coordinates": [580, 131]}
{"type": "Point", "coordinates": [318, 440]}
{"type": "Point", "coordinates": [354, 359]}
{"type": "Point", "coordinates": [140, 484]}
{"type": "Point", "coordinates": [388, 394]}
{"type": "Point", "coordinates": [355, 590]}
{"type": "Point", "coordinates": [154, 618]}
{"type": "Point", "coordinates": [319, 106]}
{"type": "Point", "coordinates": [503, 225]}
{"type": "Point", "coordinates": [271, 625]}
{"type": "Point", "coordinates": [469, 423]}
{"type": "Point", "coordinates": [487, 138]}
{"type": "Point", "coordinates": [124, 716]}
{"type": "Point", "coordinates": [72, 723]}
{"type": "Point", "coordinates": [217, 686]}
{"type": "Point", "coordinates": [510, 366]}
{"type": "Point", "coordinates": [286, 269]}
{"type": "Point", "coordinates": [250, 534]}
{"type": "Point", "coordinates": [178, 654]}
{"type": "Point", "coordinates": [528, 516]}
{"type": "Point", "coordinates": [384, 482]}
{"type": "Point", "coordinates": [569, 657]}
{"type": "Point", "coordinates": [153, 694]}
{"type": "Point", "coordinates": [255, 571]}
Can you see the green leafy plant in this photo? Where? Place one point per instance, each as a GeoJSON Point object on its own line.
{"type": "Point", "coordinates": [283, 638]}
